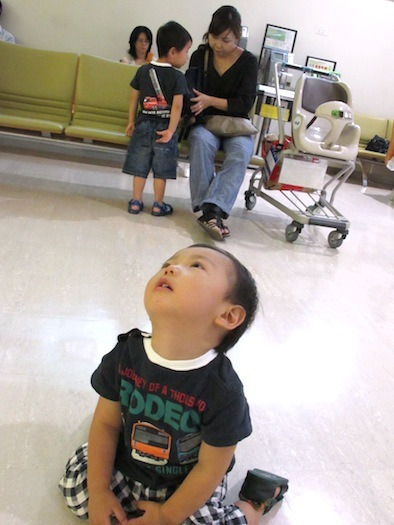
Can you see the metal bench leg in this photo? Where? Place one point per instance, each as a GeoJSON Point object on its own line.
{"type": "Point", "coordinates": [365, 173]}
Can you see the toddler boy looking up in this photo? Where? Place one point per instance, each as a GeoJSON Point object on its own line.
{"type": "Point", "coordinates": [172, 409]}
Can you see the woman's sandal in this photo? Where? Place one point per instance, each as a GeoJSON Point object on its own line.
{"type": "Point", "coordinates": [164, 209]}
{"type": "Point", "coordinates": [135, 206]}
{"type": "Point", "coordinates": [212, 227]}
{"type": "Point", "coordinates": [260, 489]}
{"type": "Point", "coordinates": [225, 230]}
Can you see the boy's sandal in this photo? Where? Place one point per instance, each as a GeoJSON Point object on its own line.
{"type": "Point", "coordinates": [212, 227]}
{"type": "Point", "coordinates": [163, 209]}
{"type": "Point", "coordinates": [260, 489]}
{"type": "Point", "coordinates": [135, 206]}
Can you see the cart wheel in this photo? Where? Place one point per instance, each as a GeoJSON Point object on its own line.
{"type": "Point", "coordinates": [335, 239]}
{"type": "Point", "coordinates": [292, 231]}
{"type": "Point", "coordinates": [250, 200]}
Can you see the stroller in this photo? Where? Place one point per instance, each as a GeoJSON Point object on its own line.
{"type": "Point", "coordinates": [323, 136]}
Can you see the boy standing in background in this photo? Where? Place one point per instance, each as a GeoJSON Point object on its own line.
{"type": "Point", "coordinates": [159, 89]}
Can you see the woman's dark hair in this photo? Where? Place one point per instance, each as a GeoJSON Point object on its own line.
{"type": "Point", "coordinates": [242, 291]}
{"type": "Point", "coordinates": [226, 18]}
{"type": "Point", "coordinates": [171, 35]}
{"type": "Point", "coordinates": [134, 37]}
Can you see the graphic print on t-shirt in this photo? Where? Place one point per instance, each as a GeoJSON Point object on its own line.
{"type": "Point", "coordinates": [149, 444]}
{"type": "Point", "coordinates": [157, 105]}
{"type": "Point", "coordinates": [164, 423]}
{"type": "Point", "coordinates": [152, 445]}
{"type": "Point", "coordinates": [188, 448]}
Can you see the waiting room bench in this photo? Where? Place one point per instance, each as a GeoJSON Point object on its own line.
{"type": "Point", "coordinates": [371, 126]}
{"type": "Point", "coordinates": [36, 88]}
{"type": "Point", "coordinates": [77, 98]}
{"type": "Point", "coordinates": [101, 104]}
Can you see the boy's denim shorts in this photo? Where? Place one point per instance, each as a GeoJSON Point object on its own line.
{"type": "Point", "coordinates": [144, 153]}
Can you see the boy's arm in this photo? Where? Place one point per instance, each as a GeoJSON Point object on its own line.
{"type": "Point", "coordinates": [194, 491]}
{"type": "Point", "coordinates": [132, 111]}
{"type": "Point", "coordinates": [102, 444]}
{"type": "Point", "coordinates": [176, 111]}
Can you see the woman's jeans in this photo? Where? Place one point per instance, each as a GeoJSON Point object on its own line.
{"type": "Point", "coordinates": [220, 189]}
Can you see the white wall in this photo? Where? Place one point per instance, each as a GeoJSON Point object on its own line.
{"type": "Point", "coordinates": [359, 33]}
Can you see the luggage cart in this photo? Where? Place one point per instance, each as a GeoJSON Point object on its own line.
{"type": "Point", "coordinates": [297, 168]}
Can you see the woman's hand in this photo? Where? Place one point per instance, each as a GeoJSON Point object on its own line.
{"type": "Point", "coordinates": [203, 101]}
{"type": "Point", "coordinates": [200, 102]}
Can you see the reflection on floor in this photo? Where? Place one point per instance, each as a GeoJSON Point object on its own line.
{"type": "Point", "coordinates": [317, 365]}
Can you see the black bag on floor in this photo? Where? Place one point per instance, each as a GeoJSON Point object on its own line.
{"type": "Point", "coordinates": [378, 144]}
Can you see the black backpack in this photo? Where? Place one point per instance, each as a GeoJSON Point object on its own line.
{"type": "Point", "coordinates": [378, 144]}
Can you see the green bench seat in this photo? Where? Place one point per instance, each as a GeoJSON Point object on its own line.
{"type": "Point", "coordinates": [371, 126]}
{"type": "Point", "coordinates": [101, 104]}
{"type": "Point", "coordinates": [36, 88]}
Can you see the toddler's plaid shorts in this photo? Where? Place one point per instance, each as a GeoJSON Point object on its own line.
{"type": "Point", "coordinates": [74, 487]}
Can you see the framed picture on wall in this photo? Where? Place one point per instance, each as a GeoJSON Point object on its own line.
{"type": "Point", "coordinates": [322, 64]}
{"type": "Point", "coordinates": [277, 37]}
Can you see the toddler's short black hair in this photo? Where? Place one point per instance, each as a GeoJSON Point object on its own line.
{"type": "Point", "coordinates": [171, 35]}
{"type": "Point", "coordinates": [242, 291]}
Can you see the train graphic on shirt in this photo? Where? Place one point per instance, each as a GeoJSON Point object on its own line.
{"type": "Point", "coordinates": [150, 444]}
{"type": "Point", "coordinates": [188, 448]}
{"type": "Point", "coordinates": [156, 105]}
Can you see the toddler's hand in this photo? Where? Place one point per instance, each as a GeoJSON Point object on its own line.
{"type": "Point", "coordinates": [102, 506]}
{"type": "Point", "coordinates": [165, 136]}
{"type": "Point", "coordinates": [151, 514]}
{"type": "Point", "coordinates": [129, 129]}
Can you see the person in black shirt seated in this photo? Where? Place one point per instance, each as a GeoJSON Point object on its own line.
{"type": "Point", "coordinates": [227, 88]}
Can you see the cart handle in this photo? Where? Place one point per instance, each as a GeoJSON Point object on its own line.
{"type": "Point", "coordinates": [279, 104]}
{"type": "Point", "coordinates": [311, 70]}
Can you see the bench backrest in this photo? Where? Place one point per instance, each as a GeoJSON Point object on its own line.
{"type": "Point", "coordinates": [36, 83]}
{"type": "Point", "coordinates": [371, 126]}
{"type": "Point", "coordinates": [102, 93]}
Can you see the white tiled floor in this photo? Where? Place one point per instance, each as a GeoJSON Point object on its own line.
{"type": "Point", "coordinates": [317, 365]}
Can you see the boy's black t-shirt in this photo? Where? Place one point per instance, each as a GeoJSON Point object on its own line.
{"type": "Point", "coordinates": [166, 412]}
{"type": "Point", "coordinates": [156, 103]}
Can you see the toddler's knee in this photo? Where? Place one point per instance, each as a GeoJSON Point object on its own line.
{"type": "Point", "coordinates": [76, 500]}
{"type": "Point", "coordinates": [74, 487]}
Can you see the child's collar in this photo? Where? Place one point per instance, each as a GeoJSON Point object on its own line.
{"type": "Point", "coordinates": [160, 64]}
{"type": "Point", "coordinates": [179, 364]}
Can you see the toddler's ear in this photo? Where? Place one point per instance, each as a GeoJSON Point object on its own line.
{"type": "Point", "coordinates": [233, 316]}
